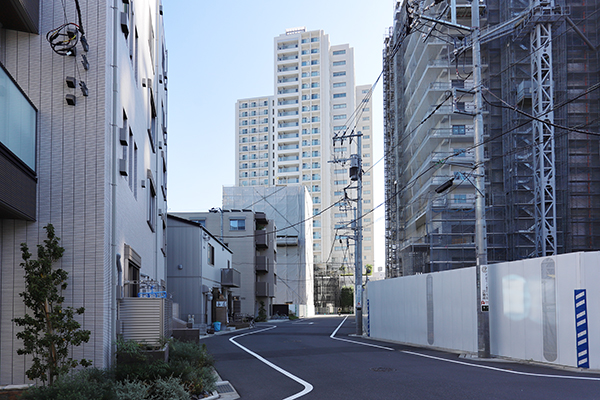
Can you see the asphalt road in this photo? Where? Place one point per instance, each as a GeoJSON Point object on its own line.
{"type": "Point", "coordinates": [299, 360]}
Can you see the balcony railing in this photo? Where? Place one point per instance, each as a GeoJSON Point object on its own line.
{"type": "Point", "coordinates": [288, 124]}
{"type": "Point", "coordinates": [288, 135]}
{"type": "Point", "coordinates": [286, 80]}
{"type": "Point", "coordinates": [287, 102]}
{"type": "Point", "coordinates": [288, 147]}
{"type": "Point", "coordinates": [287, 47]}
{"type": "Point", "coordinates": [288, 169]}
{"type": "Point", "coordinates": [286, 91]}
{"type": "Point", "coordinates": [287, 58]}
{"type": "Point", "coordinates": [286, 69]}
{"type": "Point", "coordinates": [287, 113]}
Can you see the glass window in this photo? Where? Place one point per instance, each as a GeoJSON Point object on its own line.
{"type": "Point", "coordinates": [458, 129]}
{"type": "Point", "coordinates": [339, 116]}
{"type": "Point", "coordinates": [336, 106]}
{"type": "Point", "coordinates": [338, 95]}
{"type": "Point", "coordinates": [339, 84]}
{"type": "Point", "coordinates": [237, 224]}
{"type": "Point", "coordinates": [17, 121]}
{"type": "Point", "coordinates": [339, 52]}
{"type": "Point", "coordinates": [338, 63]}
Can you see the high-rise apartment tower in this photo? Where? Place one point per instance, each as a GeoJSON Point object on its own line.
{"type": "Point", "coordinates": [287, 138]}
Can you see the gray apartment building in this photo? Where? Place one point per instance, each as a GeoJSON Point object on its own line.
{"type": "Point", "coordinates": [252, 239]}
{"type": "Point", "coordinates": [83, 145]}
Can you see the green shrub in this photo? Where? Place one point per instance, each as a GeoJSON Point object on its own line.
{"type": "Point", "coordinates": [169, 388]}
{"type": "Point", "coordinates": [131, 390]}
{"type": "Point", "coordinates": [89, 384]}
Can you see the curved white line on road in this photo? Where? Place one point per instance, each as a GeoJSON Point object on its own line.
{"type": "Point", "coordinates": [355, 342]}
{"type": "Point", "coordinates": [307, 386]}
{"type": "Point", "coordinates": [585, 378]}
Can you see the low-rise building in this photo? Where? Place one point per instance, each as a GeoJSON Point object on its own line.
{"type": "Point", "coordinates": [200, 278]}
{"type": "Point", "coordinates": [251, 238]}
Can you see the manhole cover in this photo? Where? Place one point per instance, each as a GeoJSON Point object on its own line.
{"type": "Point", "coordinates": [382, 369]}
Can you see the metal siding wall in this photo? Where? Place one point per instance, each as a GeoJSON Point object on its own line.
{"type": "Point", "coordinates": [398, 308]}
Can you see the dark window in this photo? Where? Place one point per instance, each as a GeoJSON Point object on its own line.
{"type": "Point", "coordinates": [211, 254]}
{"type": "Point", "coordinates": [458, 130]}
{"type": "Point", "coordinates": [237, 224]}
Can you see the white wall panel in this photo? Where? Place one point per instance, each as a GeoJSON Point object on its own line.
{"type": "Point", "coordinates": [398, 309]}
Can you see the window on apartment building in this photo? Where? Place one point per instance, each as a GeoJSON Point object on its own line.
{"type": "Point", "coordinates": [314, 96]}
{"type": "Point", "coordinates": [306, 177]}
{"type": "Point", "coordinates": [366, 136]}
{"type": "Point", "coordinates": [314, 73]}
{"type": "Point", "coordinates": [339, 52]}
{"type": "Point", "coordinates": [210, 254]}
{"type": "Point", "coordinates": [340, 182]}
{"type": "Point", "coordinates": [316, 142]}
{"type": "Point", "coordinates": [366, 128]}
{"type": "Point", "coordinates": [237, 224]}
{"type": "Point", "coordinates": [339, 84]}
{"type": "Point", "coordinates": [316, 211]}
{"type": "Point", "coordinates": [316, 224]}
{"type": "Point", "coordinates": [459, 129]}
{"type": "Point", "coordinates": [316, 200]}
{"type": "Point", "coordinates": [317, 235]}
{"type": "Point", "coordinates": [339, 95]}
{"type": "Point", "coordinates": [316, 188]}
{"type": "Point", "coordinates": [316, 177]}
{"type": "Point", "coordinates": [340, 171]}
{"type": "Point", "coordinates": [315, 153]}
{"type": "Point", "coordinates": [339, 73]}
{"type": "Point", "coordinates": [460, 198]}
{"type": "Point", "coordinates": [315, 130]}
{"type": "Point", "coordinates": [340, 116]}
{"type": "Point", "coordinates": [338, 63]}
{"type": "Point", "coordinates": [316, 165]}
{"type": "Point", "coordinates": [338, 106]}
{"type": "Point", "coordinates": [337, 193]}
{"type": "Point", "coordinates": [314, 62]}
{"type": "Point", "coordinates": [315, 119]}
{"type": "Point", "coordinates": [151, 209]}
{"type": "Point", "coordinates": [366, 146]}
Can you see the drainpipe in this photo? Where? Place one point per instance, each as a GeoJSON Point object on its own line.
{"type": "Point", "coordinates": [113, 160]}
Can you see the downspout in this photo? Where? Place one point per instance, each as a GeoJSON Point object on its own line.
{"type": "Point", "coordinates": [113, 230]}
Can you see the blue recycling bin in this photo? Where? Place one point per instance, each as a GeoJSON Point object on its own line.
{"type": "Point", "coordinates": [217, 326]}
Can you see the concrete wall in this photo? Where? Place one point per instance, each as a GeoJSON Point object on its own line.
{"type": "Point", "coordinates": [532, 309]}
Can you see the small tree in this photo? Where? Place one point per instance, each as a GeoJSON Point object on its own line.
{"type": "Point", "coordinates": [50, 329]}
{"type": "Point", "coordinates": [347, 297]}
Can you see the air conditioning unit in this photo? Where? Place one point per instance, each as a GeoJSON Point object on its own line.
{"type": "Point", "coordinates": [145, 320]}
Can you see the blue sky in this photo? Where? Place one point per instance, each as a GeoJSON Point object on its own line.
{"type": "Point", "coordinates": [221, 51]}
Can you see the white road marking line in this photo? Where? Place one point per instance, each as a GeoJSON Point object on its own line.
{"type": "Point", "coordinates": [307, 386]}
{"type": "Point", "coordinates": [586, 378]}
{"type": "Point", "coordinates": [355, 342]}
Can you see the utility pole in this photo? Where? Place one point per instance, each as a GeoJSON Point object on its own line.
{"type": "Point", "coordinates": [356, 175]}
{"type": "Point", "coordinates": [483, 318]}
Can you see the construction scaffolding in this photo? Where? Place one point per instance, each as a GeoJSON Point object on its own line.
{"type": "Point", "coordinates": [541, 123]}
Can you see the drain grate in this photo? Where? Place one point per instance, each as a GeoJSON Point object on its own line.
{"type": "Point", "coordinates": [224, 388]}
{"type": "Point", "coordinates": [382, 369]}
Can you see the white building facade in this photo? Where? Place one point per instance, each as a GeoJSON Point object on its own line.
{"type": "Point", "coordinates": [98, 161]}
{"type": "Point", "coordinates": [314, 100]}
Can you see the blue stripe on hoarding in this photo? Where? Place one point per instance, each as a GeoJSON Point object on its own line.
{"type": "Point", "coordinates": [581, 328]}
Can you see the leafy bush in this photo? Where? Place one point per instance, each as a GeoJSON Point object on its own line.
{"type": "Point", "coordinates": [189, 362]}
{"type": "Point", "coordinates": [169, 388]}
{"type": "Point", "coordinates": [131, 390]}
{"type": "Point", "coordinates": [89, 384]}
